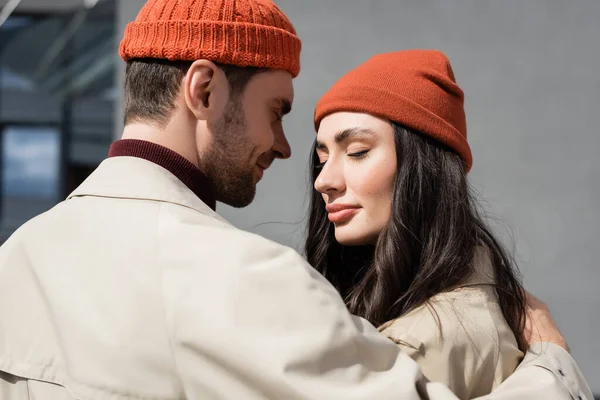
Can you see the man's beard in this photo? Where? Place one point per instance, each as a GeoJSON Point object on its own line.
{"type": "Point", "coordinates": [227, 163]}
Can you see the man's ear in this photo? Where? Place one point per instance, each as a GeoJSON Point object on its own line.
{"type": "Point", "coordinates": [206, 89]}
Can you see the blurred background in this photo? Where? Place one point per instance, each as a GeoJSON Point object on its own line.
{"type": "Point", "coordinates": [530, 75]}
{"type": "Point", "coordinates": [57, 97]}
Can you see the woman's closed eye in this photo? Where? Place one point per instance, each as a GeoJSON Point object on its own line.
{"type": "Point", "coordinates": [359, 154]}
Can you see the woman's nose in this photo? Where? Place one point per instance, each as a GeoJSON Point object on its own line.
{"type": "Point", "coordinates": [330, 179]}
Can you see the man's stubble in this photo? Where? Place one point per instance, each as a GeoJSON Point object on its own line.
{"type": "Point", "coordinates": [228, 161]}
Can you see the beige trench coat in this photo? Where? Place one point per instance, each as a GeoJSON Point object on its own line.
{"type": "Point", "coordinates": [134, 289]}
{"type": "Point", "coordinates": [460, 337]}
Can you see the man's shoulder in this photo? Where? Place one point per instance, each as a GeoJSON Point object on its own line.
{"type": "Point", "coordinates": [196, 236]}
{"type": "Point", "coordinates": [35, 226]}
{"type": "Point", "coordinates": [207, 223]}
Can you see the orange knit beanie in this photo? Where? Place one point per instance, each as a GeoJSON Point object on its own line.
{"type": "Point", "coordinates": [246, 33]}
{"type": "Point", "coordinates": [415, 88]}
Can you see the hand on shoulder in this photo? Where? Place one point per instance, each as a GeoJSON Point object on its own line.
{"type": "Point", "coordinates": [539, 325]}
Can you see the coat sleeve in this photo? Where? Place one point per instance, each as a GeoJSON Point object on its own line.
{"type": "Point", "coordinates": [250, 319]}
{"type": "Point", "coordinates": [547, 372]}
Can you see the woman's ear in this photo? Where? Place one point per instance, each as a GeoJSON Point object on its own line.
{"type": "Point", "coordinates": [206, 90]}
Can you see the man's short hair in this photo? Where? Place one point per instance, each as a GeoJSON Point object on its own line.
{"type": "Point", "coordinates": [152, 85]}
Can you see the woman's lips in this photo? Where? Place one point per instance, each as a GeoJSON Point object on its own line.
{"type": "Point", "coordinates": [339, 213]}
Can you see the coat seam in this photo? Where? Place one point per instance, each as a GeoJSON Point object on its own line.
{"type": "Point", "coordinates": [497, 346]}
{"type": "Point", "coordinates": [165, 308]}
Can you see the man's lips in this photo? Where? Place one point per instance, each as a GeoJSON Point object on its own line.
{"type": "Point", "coordinates": [262, 167]}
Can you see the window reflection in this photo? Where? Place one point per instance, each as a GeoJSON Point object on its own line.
{"type": "Point", "coordinates": [57, 73]}
{"type": "Point", "coordinates": [30, 173]}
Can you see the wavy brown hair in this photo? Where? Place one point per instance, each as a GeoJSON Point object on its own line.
{"type": "Point", "coordinates": [426, 248]}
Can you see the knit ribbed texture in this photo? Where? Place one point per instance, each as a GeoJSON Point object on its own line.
{"type": "Point", "coordinates": [415, 88]}
{"type": "Point", "coordinates": [246, 33]}
{"type": "Point", "coordinates": [184, 170]}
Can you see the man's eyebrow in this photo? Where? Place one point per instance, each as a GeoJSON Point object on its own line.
{"type": "Point", "coordinates": [347, 134]}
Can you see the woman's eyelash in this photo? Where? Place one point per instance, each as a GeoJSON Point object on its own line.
{"type": "Point", "coordinates": [359, 154]}
{"type": "Point", "coordinates": [356, 155]}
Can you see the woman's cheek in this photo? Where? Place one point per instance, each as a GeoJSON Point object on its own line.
{"type": "Point", "coordinates": [373, 178]}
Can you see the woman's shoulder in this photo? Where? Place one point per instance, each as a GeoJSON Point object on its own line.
{"type": "Point", "coordinates": [465, 316]}
{"type": "Point", "coordinates": [460, 338]}
{"type": "Point", "coordinates": [474, 297]}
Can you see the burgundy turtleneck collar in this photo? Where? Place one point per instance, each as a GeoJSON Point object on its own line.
{"type": "Point", "coordinates": [176, 164]}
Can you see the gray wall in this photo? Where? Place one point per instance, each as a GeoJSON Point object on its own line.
{"type": "Point", "coordinates": [530, 74]}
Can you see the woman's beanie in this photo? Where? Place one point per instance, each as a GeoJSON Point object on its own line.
{"type": "Point", "coordinates": [246, 33]}
{"type": "Point", "coordinates": [414, 88]}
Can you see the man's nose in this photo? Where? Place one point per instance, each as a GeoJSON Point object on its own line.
{"type": "Point", "coordinates": [281, 147]}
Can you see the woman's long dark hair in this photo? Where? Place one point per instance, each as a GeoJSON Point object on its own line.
{"type": "Point", "coordinates": [427, 247]}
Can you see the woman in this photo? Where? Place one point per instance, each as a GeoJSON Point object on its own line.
{"type": "Point", "coordinates": [395, 229]}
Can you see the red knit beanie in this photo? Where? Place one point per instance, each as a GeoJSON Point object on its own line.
{"type": "Point", "coordinates": [246, 33]}
{"type": "Point", "coordinates": [415, 88]}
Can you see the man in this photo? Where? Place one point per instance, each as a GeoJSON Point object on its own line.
{"type": "Point", "coordinates": [134, 288]}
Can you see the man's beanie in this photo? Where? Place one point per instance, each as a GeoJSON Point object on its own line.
{"type": "Point", "coordinates": [414, 88]}
{"type": "Point", "coordinates": [246, 33]}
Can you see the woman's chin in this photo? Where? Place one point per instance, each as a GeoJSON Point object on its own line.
{"type": "Point", "coordinates": [352, 238]}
